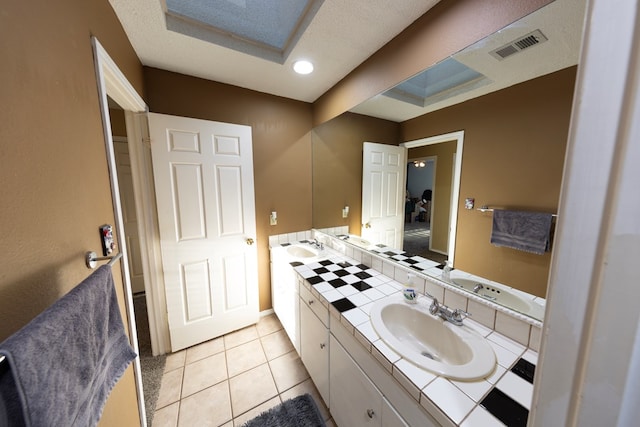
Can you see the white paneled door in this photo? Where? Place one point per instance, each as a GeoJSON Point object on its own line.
{"type": "Point", "coordinates": [383, 193]}
{"type": "Point", "coordinates": [203, 173]}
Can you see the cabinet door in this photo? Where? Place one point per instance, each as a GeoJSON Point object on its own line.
{"type": "Point", "coordinates": [390, 418]}
{"type": "Point", "coordinates": [314, 343]}
{"type": "Point", "coordinates": [285, 300]}
{"type": "Point", "coordinates": [354, 400]}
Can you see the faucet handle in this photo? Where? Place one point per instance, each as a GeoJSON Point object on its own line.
{"type": "Point", "coordinates": [434, 308]}
{"type": "Point", "coordinates": [459, 314]}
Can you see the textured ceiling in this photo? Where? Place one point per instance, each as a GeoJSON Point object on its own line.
{"type": "Point", "coordinates": [339, 38]}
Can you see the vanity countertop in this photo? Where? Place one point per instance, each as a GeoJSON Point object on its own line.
{"type": "Point", "coordinates": [349, 289]}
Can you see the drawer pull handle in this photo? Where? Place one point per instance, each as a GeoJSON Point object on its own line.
{"type": "Point", "coordinates": [370, 413]}
{"type": "Point", "coordinates": [322, 345]}
{"type": "Point", "coordinates": [311, 301]}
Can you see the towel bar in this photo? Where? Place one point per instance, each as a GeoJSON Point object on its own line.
{"type": "Point", "coordinates": [91, 259]}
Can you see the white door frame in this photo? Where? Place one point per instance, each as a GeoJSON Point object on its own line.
{"type": "Point", "coordinates": [455, 185]}
{"type": "Point", "coordinates": [112, 82]}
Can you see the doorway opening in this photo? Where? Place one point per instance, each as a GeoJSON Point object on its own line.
{"type": "Point", "coordinates": [112, 83]}
{"type": "Point", "coordinates": [446, 150]}
{"type": "Point", "coordinates": [152, 367]}
{"type": "Point", "coordinates": [421, 173]}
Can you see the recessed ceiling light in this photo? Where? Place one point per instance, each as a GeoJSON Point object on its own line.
{"type": "Point", "coordinates": [303, 67]}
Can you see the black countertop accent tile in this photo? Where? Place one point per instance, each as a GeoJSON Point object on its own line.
{"type": "Point", "coordinates": [344, 264]}
{"type": "Point", "coordinates": [524, 369]}
{"type": "Point", "coordinates": [315, 280]}
{"type": "Point", "coordinates": [341, 273]}
{"type": "Point", "coordinates": [320, 270]}
{"type": "Point", "coordinates": [505, 408]}
{"type": "Point", "coordinates": [343, 305]}
{"type": "Point", "coordinates": [336, 283]}
{"type": "Point", "coordinates": [296, 264]}
{"type": "Point", "coordinates": [362, 267]}
{"type": "Point", "coordinates": [326, 262]}
{"type": "Point", "coordinates": [361, 286]}
{"type": "Point", "coordinates": [362, 275]}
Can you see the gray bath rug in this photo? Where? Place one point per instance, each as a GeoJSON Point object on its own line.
{"type": "Point", "coordinates": [300, 411]}
{"type": "Point", "coordinates": [152, 367]}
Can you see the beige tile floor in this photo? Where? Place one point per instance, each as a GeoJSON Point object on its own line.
{"type": "Point", "coordinates": [231, 379]}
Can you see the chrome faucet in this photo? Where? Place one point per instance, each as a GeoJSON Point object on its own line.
{"type": "Point", "coordinates": [454, 316]}
{"type": "Point", "coordinates": [317, 244]}
{"type": "Point", "coordinates": [478, 287]}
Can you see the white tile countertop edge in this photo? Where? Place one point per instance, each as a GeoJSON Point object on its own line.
{"type": "Point", "coordinates": [458, 400]}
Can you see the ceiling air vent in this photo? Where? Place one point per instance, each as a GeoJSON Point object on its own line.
{"type": "Point", "coordinates": [518, 45]}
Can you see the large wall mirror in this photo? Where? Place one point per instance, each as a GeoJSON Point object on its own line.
{"type": "Point", "coordinates": [511, 93]}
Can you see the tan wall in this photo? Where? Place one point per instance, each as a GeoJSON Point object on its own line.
{"type": "Point", "coordinates": [281, 131]}
{"type": "Point", "coordinates": [118, 124]}
{"type": "Point", "coordinates": [441, 204]}
{"type": "Point", "coordinates": [55, 188]}
{"type": "Point", "coordinates": [447, 28]}
{"type": "Point", "coordinates": [337, 166]}
{"type": "Point", "coordinates": [514, 148]}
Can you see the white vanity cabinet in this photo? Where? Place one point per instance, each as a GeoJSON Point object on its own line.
{"type": "Point", "coordinates": [354, 399]}
{"type": "Point", "coordinates": [314, 340]}
{"type": "Point", "coordinates": [284, 295]}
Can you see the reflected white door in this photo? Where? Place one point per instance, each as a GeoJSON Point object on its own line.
{"type": "Point", "coordinates": [383, 193]}
{"type": "Point", "coordinates": [203, 173]}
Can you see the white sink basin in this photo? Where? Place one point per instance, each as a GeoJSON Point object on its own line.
{"type": "Point", "coordinates": [430, 342]}
{"type": "Point", "coordinates": [358, 241]}
{"type": "Point", "coordinates": [497, 294]}
{"type": "Point", "coordinates": [302, 251]}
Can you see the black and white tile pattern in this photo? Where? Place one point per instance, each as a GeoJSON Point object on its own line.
{"type": "Point", "coordinates": [346, 284]}
{"type": "Point", "coordinates": [504, 398]}
{"type": "Point", "coordinates": [404, 258]}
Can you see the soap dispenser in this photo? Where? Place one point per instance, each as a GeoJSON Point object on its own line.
{"type": "Point", "coordinates": [446, 271]}
{"type": "Point", "coordinates": [409, 292]}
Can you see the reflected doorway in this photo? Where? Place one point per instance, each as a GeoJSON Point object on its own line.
{"type": "Point", "coordinates": [418, 208]}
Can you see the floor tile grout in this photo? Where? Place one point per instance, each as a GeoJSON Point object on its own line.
{"type": "Point", "coordinates": [232, 421]}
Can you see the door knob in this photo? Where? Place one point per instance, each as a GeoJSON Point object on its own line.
{"type": "Point", "coordinates": [249, 241]}
{"type": "Point", "coordinates": [367, 225]}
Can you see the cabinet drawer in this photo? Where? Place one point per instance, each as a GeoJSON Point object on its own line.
{"type": "Point", "coordinates": [315, 304]}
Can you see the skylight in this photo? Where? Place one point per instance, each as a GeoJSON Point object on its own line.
{"type": "Point", "coordinates": [444, 80]}
{"type": "Point", "coordinates": [268, 29]}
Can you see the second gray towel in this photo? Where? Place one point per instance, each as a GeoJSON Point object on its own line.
{"type": "Point", "coordinates": [525, 231]}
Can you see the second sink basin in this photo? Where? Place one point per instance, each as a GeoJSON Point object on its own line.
{"type": "Point", "coordinates": [302, 251]}
{"type": "Point", "coordinates": [430, 342]}
{"type": "Point", "coordinates": [496, 294]}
